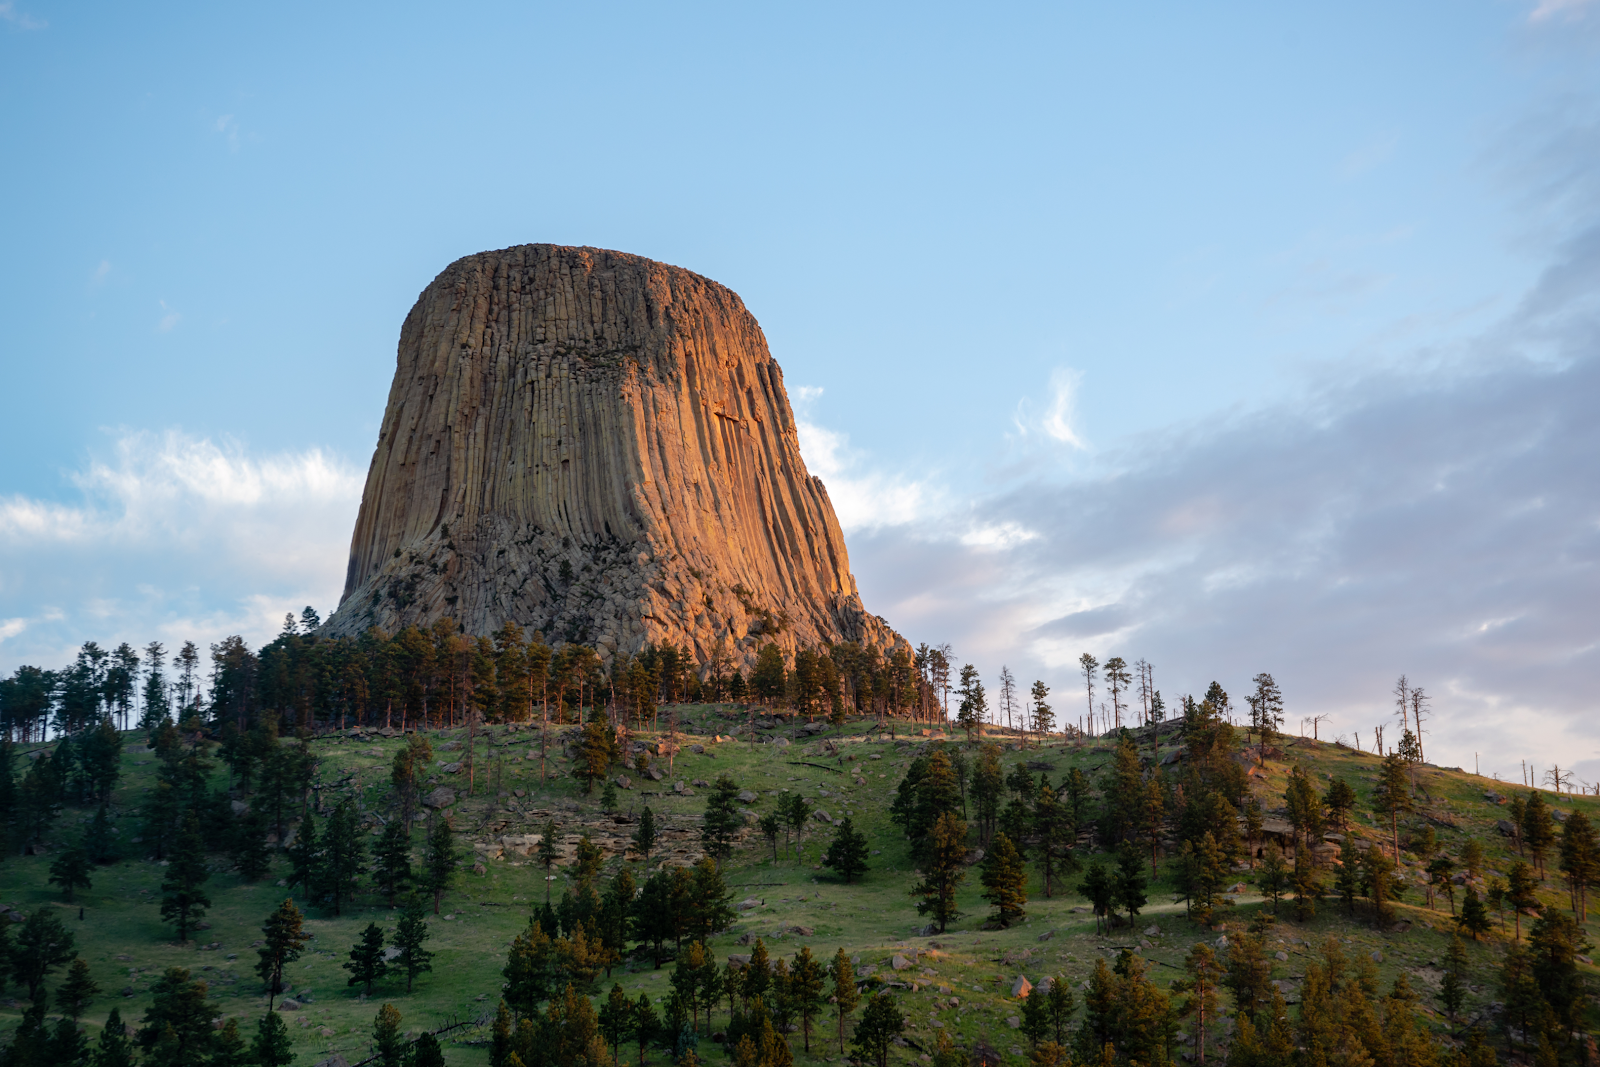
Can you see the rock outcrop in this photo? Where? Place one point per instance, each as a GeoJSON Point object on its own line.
{"type": "Point", "coordinates": [599, 447]}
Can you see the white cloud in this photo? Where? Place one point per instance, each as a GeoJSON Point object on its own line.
{"type": "Point", "coordinates": [169, 318]}
{"type": "Point", "coordinates": [21, 20]}
{"type": "Point", "coordinates": [1545, 10]}
{"type": "Point", "coordinates": [862, 498]}
{"type": "Point", "coordinates": [173, 538]}
{"type": "Point", "coordinates": [1445, 525]}
{"type": "Point", "coordinates": [10, 628]}
{"type": "Point", "coordinates": [1060, 414]}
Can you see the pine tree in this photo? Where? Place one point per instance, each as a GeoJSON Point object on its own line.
{"type": "Point", "coordinates": [974, 704]}
{"type": "Point", "coordinates": [426, 1052]}
{"type": "Point", "coordinates": [70, 871]}
{"type": "Point", "coordinates": [177, 1026]}
{"type": "Point", "coordinates": [1044, 720]}
{"type": "Point", "coordinates": [304, 857]}
{"type": "Point", "coordinates": [344, 855]}
{"type": "Point", "coordinates": [43, 944]}
{"type": "Point", "coordinates": [113, 1049]}
{"type": "Point", "coordinates": [608, 797]}
{"type": "Point", "coordinates": [548, 854]}
{"type": "Point", "coordinates": [392, 861]}
{"type": "Point", "coordinates": [722, 820]}
{"type": "Point", "coordinates": [388, 1042]}
{"type": "Point", "coordinates": [805, 991]}
{"type": "Point", "coordinates": [845, 996]}
{"type": "Point", "coordinates": [228, 1048]}
{"type": "Point", "coordinates": [249, 848]}
{"type": "Point", "coordinates": [283, 939]}
{"type": "Point", "coordinates": [1099, 888]}
{"type": "Point", "coordinates": [1005, 881]}
{"type": "Point", "coordinates": [646, 1023]}
{"type": "Point", "coordinates": [644, 838]}
{"type": "Point", "coordinates": [271, 1047]}
{"type": "Point", "coordinates": [1205, 974]}
{"type": "Point", "coordinates": [1273, 877]}
{"type": "Point", "coordinates": [881, 1022]}
{"type": "Point", "coordinates": [183, 901]}
{"type": "Point", "coordinates": [409, 935]}
{"type": "Point", "coordinates": [439, 861]}
{"type": "Point", "coordinates": [99, 841]}
{"type": "Point", "coordinates": [1520, 895]}
{"type": "Point", "coordinates": [1580, 860]}
{"type": "Point", "coordinates": [848, 851]}
{"type": "Point", "coordinates": [942, 871]}
{"type": "Point", "coordinates": [366, 963]}
{"type": "Point", "coordinates": [1392, 796]}
{"type": "Point", "coordinates": [616, 1020]}
{"type": "Point", "coordinates": [1452, 988]}
{"type": "Point", "coordinates": [1249, 973]}
{"type": "Point", "coordinates": [1474, 917]}
{"type": "Point", "coordinates": [77, 991]}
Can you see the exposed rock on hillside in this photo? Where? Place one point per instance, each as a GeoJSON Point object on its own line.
{"type": "Point", "coordinates": [599, 447]}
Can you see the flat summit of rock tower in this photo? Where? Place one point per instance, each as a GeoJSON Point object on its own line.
{"type": "Point", "coordinates": [599, 447]}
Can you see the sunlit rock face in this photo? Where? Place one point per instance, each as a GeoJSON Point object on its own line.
{"type": "Point", "coordinates": [599, 447]}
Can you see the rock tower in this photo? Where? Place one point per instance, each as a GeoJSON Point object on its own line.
{"type": "Point", "coordinates": [598, 447]}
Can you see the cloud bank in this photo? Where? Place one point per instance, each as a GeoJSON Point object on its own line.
{"type": "Point", "coordinates": [1442, 523]}
{"type": "Point", "coordinates": [173, 538]}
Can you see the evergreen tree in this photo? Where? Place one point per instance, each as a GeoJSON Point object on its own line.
{"type": "Point", "coordinates": [1474, 917]}
{"type": "Point", "coordinates": [1130, 880]}
{"type": "Point", "coordinates": [283, 939]}
{"type": "Point", "coordinates": [99, 841]}
{"type": "Point", "coordinates": [722, 819]}
{"type": "Point", "coordinates": [366, 964]}
{"type": "Point", "coordinates": [176, 1030]}
{"type": "Point", "coordinates": [548, 854]}
{"type": "Point", "coordinates": [1538, 828]}
{"type": "Point", "coordinates": [1099, 889]}
{"type": "Point", "coordinates": [1249, 973]}
{"type": "Point", "coordinates": [597, 750]}
{"type": "Point", "coordinates": [409, 935]}
{"type": "Point", "coordinates": [405, 776]}
{"type": "Point", "coordinates": [974, 706]}
{"type": "Point", "coordinates": [1453, 987]}
{"type": "Point", "coordinates": [228, 1048]}
{"type": "Point", "coordinates": [271, 1047]}
{"type": "Point", "coordinates": [1273, 877]}
{"type": "Point", "coordinates": [391, 870]}
{"type": "Point", "coordinates": [251, 853]}
{"type": "Point", "coordinates": [1392, 794]}
{"type": "Point", "coordinates": [1204, 977]}
{"type": "Point", "coordinates": [183, 901]}
{"type": "Point", "coordinates": [616, 1020]}
{"type": "Point", "coordinates": [439, 861]}
{"type": "Point", "coordinates": [1056, 834]}
{"type": "Point", "coordinates": [344, 855]}
{"type": "Point", "coordinates": [942, 871]}
{"type": "Point", "coordinates": [1520, 894]}
{"type": "Point", "coordinates": [78, 991]}
{"type": "Point", "coordinates": [1580, 860]}
{"type": "Point", "coordinates": [845, 996]}
{"type": "Point", "coordinates": [1339, 800]}
{"type": "Point", "coordinates": [988, 786]}
{"type": "Point", "coordinates": [70, 871]}
{"type": "Point", "coordinates": [388, 1042]}
{"type": "Point", "coordinates": [608, 797]}
{"type": "Point", "coordinates": [43, 944]}
{"type": "Point", "coordinates": [644, 838]}
{"type": "Point", "coordinates": [848, 851]}
{"type": "Point", "coordinates": [646, 1023]}
{"type": "Point", "coordinates": [305, 857]}
{"type": "Point", "coordinates": [881, 1022]}
{"type": "Point", "coordinates": [1005, 881]}
{"type": "Point", "coordinates": [113, 1049]}
{"type": "Point", "coordinates": [426, 1052]}
{"type": "Point", "coordinates": [805, 991]}
{"type": "Point", "coordinates": [67, 1044]}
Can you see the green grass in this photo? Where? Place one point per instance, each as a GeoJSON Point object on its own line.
{"type": "Point", "coordinates": [127, 945]}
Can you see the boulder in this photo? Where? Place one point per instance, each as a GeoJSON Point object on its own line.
{"type": "Point", "coordinates": [899, 962]}
{"type": "Point", "coordinates": [451, 768]}
{"type": "Point", "coordinates": [624, 782]}
{"type": "Point", "coordinates": [1021, 987]}
{"type": "Point", "coordinates": [442, 797]}
{"type": "Point", "coordinates": [747, 904]}
{"type": "Point", "coordinates": [747, 797]}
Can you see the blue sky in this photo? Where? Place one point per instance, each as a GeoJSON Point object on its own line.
{"type": "Point", "coordinates": [1239, 337]}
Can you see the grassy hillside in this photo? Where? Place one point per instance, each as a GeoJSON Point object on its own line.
{"type": "Point", "coordinates": [121, 936]}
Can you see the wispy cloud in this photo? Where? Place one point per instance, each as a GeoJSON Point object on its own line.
{"type": "Point", "coordinates": [20, 19]}
{"type": "Point", "coordinates": [175, 537]}
{"type": "Point", "coordinates": [1444, 525]}
{"type": "Point", "coordinates": [1547, 10]}
{"type": "Point", "coordinates": [862, 497]}
{"type": "Point", "coordinates": [1058, 420]}
{"type": "Point", "coordinates": [169, 318]}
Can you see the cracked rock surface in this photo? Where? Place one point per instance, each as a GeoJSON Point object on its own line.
{"type": "Point", "coordinates": [599, 447]}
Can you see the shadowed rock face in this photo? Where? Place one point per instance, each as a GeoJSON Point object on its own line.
{"type": "Point", "coordinates": [599, 447]}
